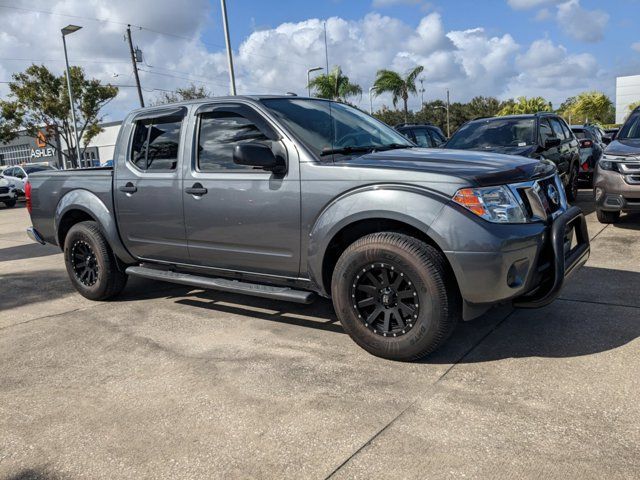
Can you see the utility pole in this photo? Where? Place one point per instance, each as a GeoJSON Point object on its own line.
{"type": "Point", "coordinates": [448, 127]}
{"type": "Point", "coordinates": [326, 48]}
{"type": "Point", "coordinates": [232, 77]}
{"type": "Point", "coordinates": [421, 93]}
{"type": "Point", "coordinates": [135, 66]}
{"type": "Point", "coordinates": [371, 100]}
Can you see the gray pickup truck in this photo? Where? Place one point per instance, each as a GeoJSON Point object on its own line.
{"type": "Point", "coordinates": [288, 198]}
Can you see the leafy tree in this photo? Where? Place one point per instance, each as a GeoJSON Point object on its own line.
{"type": "Point", "coordinates": [400, 87]}
{"type": "Point", "coordinates": [192, 92]}
{"type": "Point", "coordinates": [483, 107]}
{"type": "Point", "coordinates": [526, 105]}
{"type": "Point", "coordinates": [633, 106]}
{"type": "Point", "coordinates": [38, 99]}
{"type": "Point", "coordinates": [591, 106]}
{"type": "Point", "coordinates": [335, 86]}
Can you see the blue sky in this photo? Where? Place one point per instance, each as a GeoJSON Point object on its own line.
{"type": "Point", "coordinates": [504, 48]}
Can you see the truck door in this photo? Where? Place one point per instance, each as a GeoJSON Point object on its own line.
{"type": "Point", "coordinates": [148, 186]}
{"type": "Point", "coordinates": [564, 150]}
{"type": "Point", "coordinates": [239, 217]}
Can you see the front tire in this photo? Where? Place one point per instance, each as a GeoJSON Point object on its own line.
{"type": "Point", "coordinates": [395, 296]}
{"type": "Point", "coordinates": [91, 264]}
{"type": "Point", "coordinates": [572, 185]}
{"type": "Point", "coordinates": [607, 216]}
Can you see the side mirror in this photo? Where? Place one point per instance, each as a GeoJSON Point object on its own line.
{"type": "Point", "coordinates": [258, 155]}
{"type": "Point", "coordinates": [552, 142]}
{"type": "Point", "coordinates": [607, 140]}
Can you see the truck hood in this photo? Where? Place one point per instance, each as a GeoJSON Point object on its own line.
{"type": "Point", "coordinates": [625, 147]}
{"type": "Point", "coordinates": [477, 168]}
{"type": "Point", "coordinates": [525, 151]}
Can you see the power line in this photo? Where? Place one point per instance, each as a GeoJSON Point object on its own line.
{"type": "Point", "coordinates": [141, 27]}
{"type": "Point", "coordinates": [98, 60]}
{"type": "Point", "coordinates": [183, 78]}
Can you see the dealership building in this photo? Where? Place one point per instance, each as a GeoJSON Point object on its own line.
{"type": "Point", "coordinates": [47, 147]}
{"type": "Point", "coordinates": [627, 92]}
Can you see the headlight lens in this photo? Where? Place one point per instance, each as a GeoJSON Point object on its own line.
{"type": "Point", "coordinates": [609, 162]}
{"type": "Point", "coordinates": [495, 204]}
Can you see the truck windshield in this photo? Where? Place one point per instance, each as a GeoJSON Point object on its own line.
{"type": "Point", "coordinates": [494, 132]}
{"type": "Point", "coordinates": [328, 127]}
{"type": "Point", "coordinates": [631, 129]}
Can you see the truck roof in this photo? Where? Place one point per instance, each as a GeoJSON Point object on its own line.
{"type": "Point", "coordinates": [197, 101]}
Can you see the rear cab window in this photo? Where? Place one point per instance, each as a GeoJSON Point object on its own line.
{"type": "Point", "coordinates": [155, 145]}
{"type": "Point", "coordinates": [556, 126]}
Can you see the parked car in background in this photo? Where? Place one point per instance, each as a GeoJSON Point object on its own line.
{"type": "Point", "coordinates": [617, 177]}
{"type": "Point", "coordinates": [19, 174]}
{"type": "Point", "coordinates": [610, 134]}
{"type": "Point", "coordinates": [543, 136]}
{"type": "Point", "coordinates": [287, 198]}
{"type": "Point", "coordinates": [8, 194]}
{"type": "Point", "coordinates": [591, 148]}
{"type": "Point", "coordinates": [422, 134]}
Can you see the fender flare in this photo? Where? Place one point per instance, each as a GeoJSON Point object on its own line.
{"type": "Point", "coordinates": [89, 203]}
{"type": "Point", "coordinates": [415, 206]}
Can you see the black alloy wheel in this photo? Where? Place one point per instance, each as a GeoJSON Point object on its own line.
{"type": "Point", "coordinates": [84, 262]}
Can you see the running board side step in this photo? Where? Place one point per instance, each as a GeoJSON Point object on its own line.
{"type": "Point", "coordinates": [224, 285]}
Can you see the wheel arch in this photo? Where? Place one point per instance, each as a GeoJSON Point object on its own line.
{"type": "Point", "coordinates": [398, 208]}
{"type": "Point", "coordinates": [82, 205]}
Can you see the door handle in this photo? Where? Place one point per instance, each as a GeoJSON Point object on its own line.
{"type": "Point", "coordinates": [129, 188]}
{"type": "Point", "coordinates": [197, 190]}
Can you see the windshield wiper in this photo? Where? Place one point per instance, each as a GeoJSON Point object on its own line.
{"type": "Point", "coordinates": [367, 148]}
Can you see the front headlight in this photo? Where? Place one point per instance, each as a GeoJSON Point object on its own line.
{"type": "Point", "coordinates": [609, 162]}
{"type": "Point", "coordinates": [495, 204]}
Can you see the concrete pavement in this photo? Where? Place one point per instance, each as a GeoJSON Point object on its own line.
{"type": "Point", "coordinates": [172, 382]}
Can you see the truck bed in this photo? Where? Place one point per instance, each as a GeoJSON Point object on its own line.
{"type": "Point", "coordinates": [49, 187]}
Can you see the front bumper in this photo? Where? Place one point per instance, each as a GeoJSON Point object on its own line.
{"type": "Point", "coordinates": [566, 258]}
{"type": "Point", "coordinates": [528, 269]}
{"type": "Point", "coordinates": [613, 193]}
{"type": "Point", "coordinates": [11, 195]}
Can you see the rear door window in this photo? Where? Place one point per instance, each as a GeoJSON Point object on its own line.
{"type": "Point", "coordinates": [436, 137]}
{"type": "Point", "coordinates": [156, 144]}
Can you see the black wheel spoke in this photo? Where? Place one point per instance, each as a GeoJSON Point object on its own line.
{"type": "Point", "coordinates": [374, 280]}
{"type": "Point", "coordinates": [84, 263]}
{"type": "Point", "coordinates": [369, 289]}
{"type": "Point", "coordinates": [366, 302]}
{"type": "Point", "coordinates": [385, 299]}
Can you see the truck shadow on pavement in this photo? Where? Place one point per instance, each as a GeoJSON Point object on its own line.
{"type": "Point", "coordinates": [34, 474]}
{"type": "Point", "coordinates": [28, 250]}
{"type": "Point", "coordinates": [576, 324]}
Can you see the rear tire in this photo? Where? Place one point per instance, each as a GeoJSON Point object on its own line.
{"type": "Point", "coordinates": [10, 203]}
{"type": "Point", "coordinates": [606, 216]}
{"type": "Point", "coordinates": [409, 282]}
{"type": "Point", "coordinates": [91, 264]}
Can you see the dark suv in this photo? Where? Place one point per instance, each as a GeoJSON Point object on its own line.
{"type": "Point", "coordinates": [422, 134]}
{"type": "Point", "coordinates": [537, 135]}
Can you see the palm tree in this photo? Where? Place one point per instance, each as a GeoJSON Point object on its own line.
{"type": "Point", "coordinates": [335, 86]}
{"type": "Point", "coordinates": [399, 87]}
{"type": "Point", "coordinates": [594, 106]}
{"type": "Point", "coordinates": [526, 105]}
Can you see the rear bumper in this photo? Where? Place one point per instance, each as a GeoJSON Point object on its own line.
{"type": "Point", "coordinates": [34, 235]}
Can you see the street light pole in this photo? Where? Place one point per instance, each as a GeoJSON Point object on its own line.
{"type": "Point", "coordinates": [314, 69]}
{"type": "Point", "coordinates": [232, 77]}
{"type": "Point", "coordinates": [421, 93]}
{"type": "Point", "coordinates": [66, 31]}
{"type": "Point", "coordinates": [370, 101]}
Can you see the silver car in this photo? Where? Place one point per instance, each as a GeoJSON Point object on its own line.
{"type": "Point", "coordinates": [19, 174]}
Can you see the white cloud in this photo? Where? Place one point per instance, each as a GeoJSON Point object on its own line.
{"type": "Point", "coordinates": [275, 60]}
{"type": "Point", "coordinates": [528, 4]}
{"type": "Point", "coordinates": [636, 46]}
{"type": "Point", "coordinates": [581, 24]}
{"type": "Point", "coordinates": [543, 15]}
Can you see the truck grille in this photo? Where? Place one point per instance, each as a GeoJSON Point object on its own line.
{"type": "Point", "coordinates": [542, 198]}
{"type": "Point", "coordinates": [631, 172]}
{"type": "Point", "coordinates": [4, 190]}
